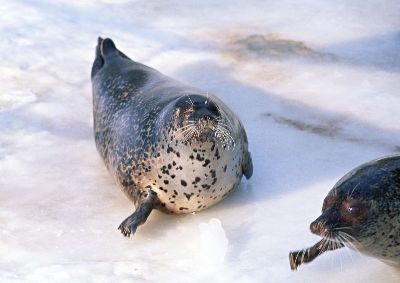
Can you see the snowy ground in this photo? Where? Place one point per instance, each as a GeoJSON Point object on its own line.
{"type": "Point", "coordinates": [316, 84]}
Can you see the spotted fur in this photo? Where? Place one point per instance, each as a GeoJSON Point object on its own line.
{"type": "Point", "coordinates": [146, 145]}
{"type": "Point", "coordinates": [362, 211]}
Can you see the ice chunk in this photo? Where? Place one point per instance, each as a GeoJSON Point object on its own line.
{"type": "Point", "coordinates": [213, 243]}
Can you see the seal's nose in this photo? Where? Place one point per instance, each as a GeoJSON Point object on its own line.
{"type": "Point", "coordinates": [207, 110]}
{"type": "Point", "coordinates": [319, 227]}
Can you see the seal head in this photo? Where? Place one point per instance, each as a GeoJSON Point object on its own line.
{"type": "Point", "coordinates": [199, 119]}
{"type": "Point", "coordinates": [362, 211]}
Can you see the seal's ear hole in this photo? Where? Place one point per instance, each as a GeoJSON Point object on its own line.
{"type": "Point", "coordinates": [328, 201]}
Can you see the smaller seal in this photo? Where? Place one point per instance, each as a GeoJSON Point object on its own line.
{"type": "Point", "coordinates": [362, 212]}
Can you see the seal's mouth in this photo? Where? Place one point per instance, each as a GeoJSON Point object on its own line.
{"type": "Point", "coordinates": [207, 129]}
{"type": "Point", "coordinates": [331, 233]}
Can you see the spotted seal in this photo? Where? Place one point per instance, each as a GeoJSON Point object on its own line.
{"type": "Point", "coordinates": [170, 147]}
{"type": "Point", "coordinates": [362, 211]}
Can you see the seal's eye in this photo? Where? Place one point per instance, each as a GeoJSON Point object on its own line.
{"type": "Point", "coordinates": [354, 210]}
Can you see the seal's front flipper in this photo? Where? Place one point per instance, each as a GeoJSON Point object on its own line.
{"type": "Point", "coordinates": [130, 224]}
{"type": "Point", "coordinates": [309, 254]}
{"type": "Point", "coordinates": [247, 166]}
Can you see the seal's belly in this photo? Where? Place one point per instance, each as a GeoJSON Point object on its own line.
{"type": "Point", "coordinates": [188, 180]}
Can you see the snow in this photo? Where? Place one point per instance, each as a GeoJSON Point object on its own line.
{"type": "Point", "coordinates": [314, 82]}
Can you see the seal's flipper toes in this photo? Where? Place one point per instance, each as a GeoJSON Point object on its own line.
{"type": "Point", "coordinates": [295, 260]}
{"type": "Point", "coordinates": [129, 226]}
{"type": "Point", "coordinates": [139, 217]}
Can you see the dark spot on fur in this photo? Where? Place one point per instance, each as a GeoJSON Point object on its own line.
{"type": "Point", "coordinates": [127, 183]}
{"type": "Point", "coordinates": [206, 162]}
{"type": "Point", "coordinates": [216, 154]}
{"type": "Point", "coordinates": [206, 186]}
{"type": "Point", "coordinates": [213, 173]}
{"type": "Point", "coordinates": [199, 158]}
{"type": "Point", "coordinates": [196, 180]}
{"type": "Point", "coordinates": [166, 182]}
{"type": "Point", "coordinates": [188, 196]}
{"type": "Point", "coordinates": [183, 183]}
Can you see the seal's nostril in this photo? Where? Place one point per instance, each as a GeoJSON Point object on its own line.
{"type": "Point", "coordinates": [319, 228]}
{"type": "Point", "coordinates": [212, 107]}
{"type": "Point", "coordinates": [314, 227]}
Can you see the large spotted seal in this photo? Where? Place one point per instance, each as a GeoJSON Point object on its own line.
{"type": "Point", "coordinates": [362, 211]}
{"type": "Point", "coordinates": [171, 147]}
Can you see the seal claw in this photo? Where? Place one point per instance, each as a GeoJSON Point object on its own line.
{"type": "Point", "coordinates": [295, 260]}
{"type": "Point", "coordinates": [129, 225]}
{"type": "Point", "coordinates": [139, 217]}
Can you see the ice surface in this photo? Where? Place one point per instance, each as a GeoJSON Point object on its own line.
{"type": "Point", "coordinates": [316, 84]}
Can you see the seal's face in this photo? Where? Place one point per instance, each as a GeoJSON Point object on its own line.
{"type": "Point", "coordinates": [199, 118]}
{"type": "Point", "coordinates": [362, 211]}
{"type": "Point", "coordinates": [344, 218]}
{"type": "Point", "coordinates": [362, 208]}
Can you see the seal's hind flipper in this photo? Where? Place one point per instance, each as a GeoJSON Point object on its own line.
{"type": "Point", "coordinates": [98, 60]}
{"type": "Point", "coordinates": [247, 166]}
{"type": "Point", "coordinates": [104, 49]}
{"type": "Point", "coordinates": [107, 47]}
{"type": "Point", "coordinates": [130, 224]}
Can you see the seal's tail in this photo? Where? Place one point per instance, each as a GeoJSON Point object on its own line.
{"type": "Point", "coordinates": [99, 59]}
{"type": "Point", "coordinates": [107, 47]}
{"type": "Point", "coordinates": [104, 50]}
